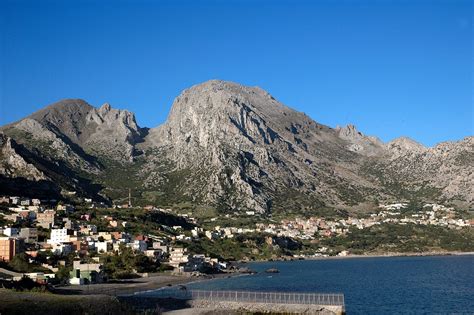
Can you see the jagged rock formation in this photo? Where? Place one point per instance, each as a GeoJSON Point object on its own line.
{"type": "Point", "coordinates": [235, 148]}
{"type": "Point", "coordinates": [72, 128]}
{"type": "Point", "coordinates": [13, 165]}
{"type": "Point", "coordinates": [358, 142]}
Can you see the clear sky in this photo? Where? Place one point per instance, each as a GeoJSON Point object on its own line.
{"type": "Point", "coordinates": [392, 68]}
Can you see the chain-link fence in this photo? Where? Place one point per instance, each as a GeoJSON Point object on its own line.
{"type": "Point", "coordinates": [335, 299]}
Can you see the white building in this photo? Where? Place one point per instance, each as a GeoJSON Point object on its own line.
{"type": "Point", "coordinates": [102, 247]}
{"type": "Point", "coordinates": [10, 231]}
{"type": "Point", "coordinates": [140, 245]}
{"type": "Point", "coordinates": [58, 236]}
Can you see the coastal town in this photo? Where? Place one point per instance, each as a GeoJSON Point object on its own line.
{"type": "Point", "coordinates": [430, 214]}
{"type": "Point", "coordinates": [75, 247]}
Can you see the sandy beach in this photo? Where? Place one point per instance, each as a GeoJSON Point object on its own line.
{"type": "Point", "coordinates": [130, 286]}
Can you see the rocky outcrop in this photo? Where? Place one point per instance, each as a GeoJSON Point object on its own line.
{"type": "Point", "coordinates": [111, 133]}
{"type": "Point", "coordinates": [358, 142]}
{"type": "Point", "coordinates": [13, 165]}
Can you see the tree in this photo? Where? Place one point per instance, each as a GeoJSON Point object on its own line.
{"type": "Point", "coordinates": [20, 263]}
{"type": "Point", "coordinates": [63, 274]}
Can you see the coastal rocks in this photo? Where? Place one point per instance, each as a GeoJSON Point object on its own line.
{"type": "Point", "coordinates": [266, 308]}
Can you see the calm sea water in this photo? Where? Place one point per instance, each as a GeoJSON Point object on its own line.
{"type": "Point", "coordinates": [391, 285]}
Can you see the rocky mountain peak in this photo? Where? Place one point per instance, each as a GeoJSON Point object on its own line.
{"type": "Point", "coordinates": [71, 124]}
{"type": "Point", "coordinates": [404, 145]}
{"type": "Point", "coordinates": [349, 131]}
{"type": "Point", "coordinates": [358, 142]}
{"type": "Point", "coordinates": [105, 108]}
{"type": "Point", "coordinates": [215, 109]}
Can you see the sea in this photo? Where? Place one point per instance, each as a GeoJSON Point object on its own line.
{"type": "Point", "coordinates": [371, 285]}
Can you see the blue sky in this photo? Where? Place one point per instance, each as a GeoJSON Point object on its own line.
{"type": "Point", "coordinates": [392, 68]}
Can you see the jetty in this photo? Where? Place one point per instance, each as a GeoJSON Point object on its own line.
{"type": "Point", "coordinates": [251, 301]}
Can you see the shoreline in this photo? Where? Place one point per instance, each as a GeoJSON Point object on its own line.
{"type": "Point", "coordinates": [138, 285]}
{"type": "Point", "coordinates": [158, 282]}
{"type": "Point", "coordinates": [387, 255]}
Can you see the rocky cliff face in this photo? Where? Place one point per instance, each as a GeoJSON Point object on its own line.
{"type": "Point", "coordinates": [13, 165]}
{"type": "Point", "coordinates": [252, 150]}
{"type": "Point", "coordinates": [238, 148]}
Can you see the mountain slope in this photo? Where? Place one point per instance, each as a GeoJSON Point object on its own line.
{"type": "Point", "coordinates": [234, 148]}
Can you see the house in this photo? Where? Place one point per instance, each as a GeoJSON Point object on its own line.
{"type": "Point", "coordinates": [88, 229]}
{"type": "Point", "coordinates": [80, 245]}
{"type": "Point", "coordinates": [178, 257]}
{"type": "Point", "coordinates": [46, 219]}
{"type": "Point", "coordinates": [154, 253]}
{"type": "Point", "coordinates": [29, 234]}
{"type": "Point", "coordinates": [62, 248]}
{"type": "Point", "coordinates": [116, 235]}
{"type": "Point", "coordinates": [58, 236]}
{"type": "Point", "coordinates": [211, 235]}
{"type": "Point", "coordinates": [65, 208]}
{"type": "Point", "coordinates": [10, 231]}
{"type": "Point", "coordinates": [103, 247]}
{"type": "Point", "coordinates": [69, 224]}
{"type": "Point", "coordinates": [9, 247]}
{"type": "Point", "coordinates": [139, 245]}
{"type": "Point", "coordinates": [160, 246]}
{"type": "Point", "coordinates": [84, 273]}
{"type": "Point", "coordinates": [106, 236]}
{"type": "Point", "coordinates": [25, 201]}
{"type": "Point", "coordinates": [27, 215]}
{"type": "Point", "coordinates": [14, 217]}
{"type": "Point", "coordinates": [203, 264]}
{"type": "Point", "coordinates": [40, 277]}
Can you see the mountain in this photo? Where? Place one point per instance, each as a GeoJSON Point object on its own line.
{"type": "Point", "coordinates": [232, 148]}
{"type": "Point", "coordinates": [240, 146]}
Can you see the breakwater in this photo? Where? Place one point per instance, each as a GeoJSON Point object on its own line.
{"type": "Point", "coordinates": [249, 301]}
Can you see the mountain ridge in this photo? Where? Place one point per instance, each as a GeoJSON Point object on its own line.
{"type": "Point", "coordinates": [235, 147]}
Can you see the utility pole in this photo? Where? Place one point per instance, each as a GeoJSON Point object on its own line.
{"type": "Point", "coordinates": [129, 198]}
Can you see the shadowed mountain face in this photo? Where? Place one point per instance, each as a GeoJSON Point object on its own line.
{"type": "Point", "coordinates": [237, 148]}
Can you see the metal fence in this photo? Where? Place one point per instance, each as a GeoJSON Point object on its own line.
{"type": "Point", "coordinates": [335, 299]}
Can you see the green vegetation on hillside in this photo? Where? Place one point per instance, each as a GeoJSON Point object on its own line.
{"type": "Point", "coordinates": [393, 238]}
